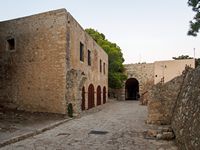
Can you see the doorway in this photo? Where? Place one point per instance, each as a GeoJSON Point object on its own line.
{"type": "Point", "coordinates": [98, 95]}
{"type": "Point", "coordinates": [90, 96]}
{"type": "Point", "coordinates": [104, 95]}
{"type": "Point", "coordinates": [132, 89]}
{"type": "Point", "coordinates": [83, 99]}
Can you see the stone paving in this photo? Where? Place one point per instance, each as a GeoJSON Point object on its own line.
{"type": "Point", "coordinates": [117, 126]}
{"type": "Point", "coordinates": [16, 123]}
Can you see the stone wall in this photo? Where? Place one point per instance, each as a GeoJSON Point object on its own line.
{"type": "Point", "coordinates": [43, 72]}
{"type": "Point", "coordinates": [33, 73]}
{"type": "Point", "coordinates": [165, 71]}
{"type": "Point", "coordinates": [149, 74]}
{"type": "Point", "coordinates": [178, 103]}
{"type": "Point", "coordinates": [118, 94]}
{"type": "Point", "coordinates": [144, 73]}
{"type": "Point", "coordinates": [161, 101]}
{"type": "Point", "coordinates": [80, 74]}
{"type": "Point", "coordinates": [186, 116]}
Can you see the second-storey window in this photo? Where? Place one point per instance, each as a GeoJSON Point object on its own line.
{"type": "Point", "coordinates": [100, 65]}
{"type": "Point", "coordinates": [81, 51]}
{"type": "Point", "coordinates": [89, 57]}
{"type": "Point", "coordinates": [11, 44]}
{"type": "Point", "coordinates": [104, 68]}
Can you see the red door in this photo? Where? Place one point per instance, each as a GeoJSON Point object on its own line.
{"type": "Point", "coordinates": [83, 99]}
{"type": "Point", "coordinates": [90, 96]}
{"type": "Point", "coordinates": [98, 95]}
{"type": "Point", "coordinates": [104, 95]}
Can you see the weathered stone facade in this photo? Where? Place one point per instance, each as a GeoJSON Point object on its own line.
{"type": "Point", "coordinates": [40, 67]}
{"type": "Point", "coordinates": [165, 71]}
{"type": "Point", "coordinates": [144, 73]}
{"type": "Point", "coordinates": [161, 101]}
{"type": "Point", "coordinates": [149, 74]}
{"type": "Point", "coordinates": [186, 116]}
{"type": "Point", "coordinates": [178, 103]}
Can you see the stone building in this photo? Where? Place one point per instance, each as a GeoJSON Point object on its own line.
{"type": "Point", "coordinates": [165, 71]}
{"type": "Point", "coordinates": [48, 61]}
{"type": "Point", "coordinates": [141, 77]}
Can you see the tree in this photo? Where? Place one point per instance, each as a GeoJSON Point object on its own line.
{"type": "Point", "coordinates": [197, 60]}
{"type": "Point", "coordinates": [182, 57]}
{"type": "Point", "coordinates": [116, 75]}
{"type": "Point", "coordinates": [195, 24]}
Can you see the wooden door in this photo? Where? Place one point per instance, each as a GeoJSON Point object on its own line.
{"type": "Point", "coordinates": [90, 96]}
{"type": "Point", "coordinates": [98, 95]}
{"type": "Point", "coordinates": [104, 95]}
{"type": "Point", "coordinates": [83, 99]}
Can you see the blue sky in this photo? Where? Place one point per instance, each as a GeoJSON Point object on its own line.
{"type": "Point", "coordinates": [146, 31]}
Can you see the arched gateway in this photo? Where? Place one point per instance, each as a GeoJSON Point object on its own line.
{"type": "Point", "coordinates": [132, 89]}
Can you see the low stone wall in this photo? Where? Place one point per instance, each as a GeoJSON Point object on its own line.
{"type": "Point", "coordinates": [178, 103]}
{"type": "Point", "coordinates": [119, 94]}
{"type": "Point", "coordinates": [161, 101]}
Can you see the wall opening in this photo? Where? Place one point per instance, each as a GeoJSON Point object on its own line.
{"type": "Point", "coordinates": [81, 51]}
{"type": "Point", "coordinates": [99, 95]}
{"type": "Point", "coordinates": [90, 96]}
{"type": "Point", "coordinates": [83, 99]}
{"type": "Point", "coordinates": [11, 44]}
{"type": "Point", "coordinates": [89, 58]}
{"type": "Point", "coordinates": [132, 89]}
{"type": "Point", "coordinates": [100, 65]}
{"type": "Point", "coordinates": [104, 68]}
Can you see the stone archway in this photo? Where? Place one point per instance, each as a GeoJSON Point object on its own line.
{"type": "Point", "coordinates": [74, 89]}
{"type": "Point", "coordinates": [99, 95]}
{"type": "Point", "coordinates": [132, 89]}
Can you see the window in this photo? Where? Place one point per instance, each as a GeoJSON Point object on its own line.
{"type": "Point", "coordinates": [81, 52]}
{"type": "Point", "coordinates": [100, 65]}
{"type": "Point", "coordinates": [104, 68]}
{"type": "Point", "coordinates": [89, 57]}
{"type": "Point", "coordinates": [11, 44]}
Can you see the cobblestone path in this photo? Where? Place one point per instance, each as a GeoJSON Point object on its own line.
{"type": "Point", "coordinates": [118, 126]}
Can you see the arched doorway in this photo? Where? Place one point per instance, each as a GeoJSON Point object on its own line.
{"type": "Point", "coordinates": [132, 89]}
{"type": "Point", "coordinates": [98, 95]}
{"type": "Point", "coordinates": [104, 95]}
{"type": "Point", "coordinates": [90, 96]}
{"type": "Point", "coordinates": [83, 99]}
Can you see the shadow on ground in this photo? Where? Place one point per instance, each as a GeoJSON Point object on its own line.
{"type": "Point", "coordinates": [14, 123]}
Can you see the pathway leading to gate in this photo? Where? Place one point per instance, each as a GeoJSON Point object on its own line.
{"type": "Point", "coordinates": [118, 126]}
